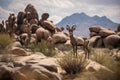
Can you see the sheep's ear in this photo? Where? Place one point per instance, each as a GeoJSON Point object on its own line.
{"type": "Point", "coordinates": [67, 27]}
{"type": "Point", "coordinates": [73, 27]}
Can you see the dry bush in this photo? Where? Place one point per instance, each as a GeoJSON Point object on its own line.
{"type": "Point", "coordinates": [100, 55]}
{"type": "Point", "coordinates": [5, 40]}
{"type": "Point", "coordinates": [106, 75]}
{"type": "Point", "coordinates": [72, 64]}
{"type": "Point", "coordinates": [43, 47]}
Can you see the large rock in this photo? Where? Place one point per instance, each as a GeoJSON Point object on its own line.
{"type": "Point", "coordinates": [20, 17]}
{"type": "Point", "coordinates": [5, 72]}
{"type": "Point", "coordinates": [19, 63]}
{"type": "Point", "coordinates": [45, 16]}
{"type": "Point", "coordinates": [34, 27]}
{"type": "Point", "coordinates": [20, 51]}
{"type": "Point", "coordinates": [35, 72]}
{"type": "Point", "coordinates": [33, 12]}
{"type": "Point", "coordinates": [95, 41]}
{"type": "Point", "coordinates": [115, 53]}
{"type": "Point", "coordinates": [33, 21]}
{"type": "Point", "coordinates": [60, 38]}
{"type": "Point", "coordinates": [99, 43]}
{"type": "Point", "coordinates": [49, 67]}
{"type": "Point", "coordinates": [112, 41]}
{"type": "Point", "coordinates": [42, 33]}
{"type": "Point", "coordinates": [93, 34]}
{"type": "Point", "coordinates": [49, 25]}
{"type": "Point", "coordinates": [118, 33]}
{"type": "Point", "coordinates": [96, 29]}
{"type": "Point", "coordinates": [16, 44]}
{"type": "Point", "coordinates": [94, 66]}
{"type": "Point", "coordinates": [68, 43]}
{"type": "Point", "coordinates": [106, 32]}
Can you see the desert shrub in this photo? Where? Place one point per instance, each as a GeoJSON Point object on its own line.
{"type": "Point", "coordinates": [100, 54]}
{"type": "Point", "coordinates": [103, 74]}
{"type": "Point", "coordinates": [5, 40]}
{"type": "Point", "coordinates": [106, 75]}
{"type": "Point", "coordinates": [72, 64]}
{"type": "Point", "coordinates": [44, 47]}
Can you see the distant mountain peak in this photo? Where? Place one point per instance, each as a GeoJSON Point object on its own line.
{"type": "Point", "coordinates": [83, 22]}
{"type": "Point", "coordinates": [80, 14]}
{"type": "Point", "coordinates": [96, 16]}
{"type": "Point", "coordinates": [83, 14]}
{"type": "Point", "coordinates": [103, 17]}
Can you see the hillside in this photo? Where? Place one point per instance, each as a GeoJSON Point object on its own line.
{"type": "Point", "coordinates": [84, 21]}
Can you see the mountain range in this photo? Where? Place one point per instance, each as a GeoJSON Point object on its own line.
{"type": "Point", "coordinates": [84, 21]}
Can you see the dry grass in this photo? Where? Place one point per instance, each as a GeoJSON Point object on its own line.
{"type": "Point", "coordinates": [72, 64]}
{"type": "Point", "coordinates": [100, 55]}
{"type": "Point", "coordinates": [5, 40]}
{"type": "Point", "coordinates": [46, 48]}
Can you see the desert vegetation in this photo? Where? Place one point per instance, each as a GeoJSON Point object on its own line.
{"type": "Point", "coordinates": [72, 64]}
{"type": "Point", "coordinates": [46, 48]}
{"type": "Point", "coordinates": [5, 40]}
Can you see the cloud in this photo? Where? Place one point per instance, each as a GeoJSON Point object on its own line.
{"type": "Point", "coordinates": [5, 3]}
{"type": "Point", "coordinates": [55, 18]}
{"type": "Point", "coordinates": [4, 14]}
{"type": "Point", "coordinates": [100, 2]}
{"type": "Point", "coordinates": [16, 6]}
{"type": "Point", "coordinates": [59, 9]}
{"type": "Point", "coordinates": [53, 7]}
{"type": "Point", "coordinates": [109, 8]}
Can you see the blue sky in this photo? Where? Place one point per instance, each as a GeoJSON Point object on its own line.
{"type": "Point", "coordinates": [59, 9]}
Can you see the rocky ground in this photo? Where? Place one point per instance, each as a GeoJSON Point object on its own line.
{"type": "Point", "coordinates": [24, 65]}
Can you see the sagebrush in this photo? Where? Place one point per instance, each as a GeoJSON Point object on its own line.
{"type": "Point", "coordinates": [44, 47]}
{"type": "Point", "coordinates": [102, 56]}
{"type": "Point", "coordinates": [5, 40]}
{"type": "Point", "coordinates": [72, 64]}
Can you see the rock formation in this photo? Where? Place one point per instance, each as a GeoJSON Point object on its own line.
{"type": "Point", "coordinates": [107, 38]}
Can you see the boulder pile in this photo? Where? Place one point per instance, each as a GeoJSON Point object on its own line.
{"type": "Point", "coordinates": [27, 23]}
{"type": "Point", "coordinates": [103, 37]}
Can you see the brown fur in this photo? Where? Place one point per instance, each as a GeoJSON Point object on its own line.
{"type": "Point", "coordinates": [77, 42]}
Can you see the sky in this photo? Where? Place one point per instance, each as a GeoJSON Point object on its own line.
{"type": "Point", "coordinates": [58, 9]}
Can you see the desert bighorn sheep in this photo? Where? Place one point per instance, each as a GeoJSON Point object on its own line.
{"type": "Point", "coordinates": [77, 41]}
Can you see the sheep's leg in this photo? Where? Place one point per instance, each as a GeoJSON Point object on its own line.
{"type": "Point", "coordinates": [88, 52]}
{"type": "Point", "coordinates": [76, 51]}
